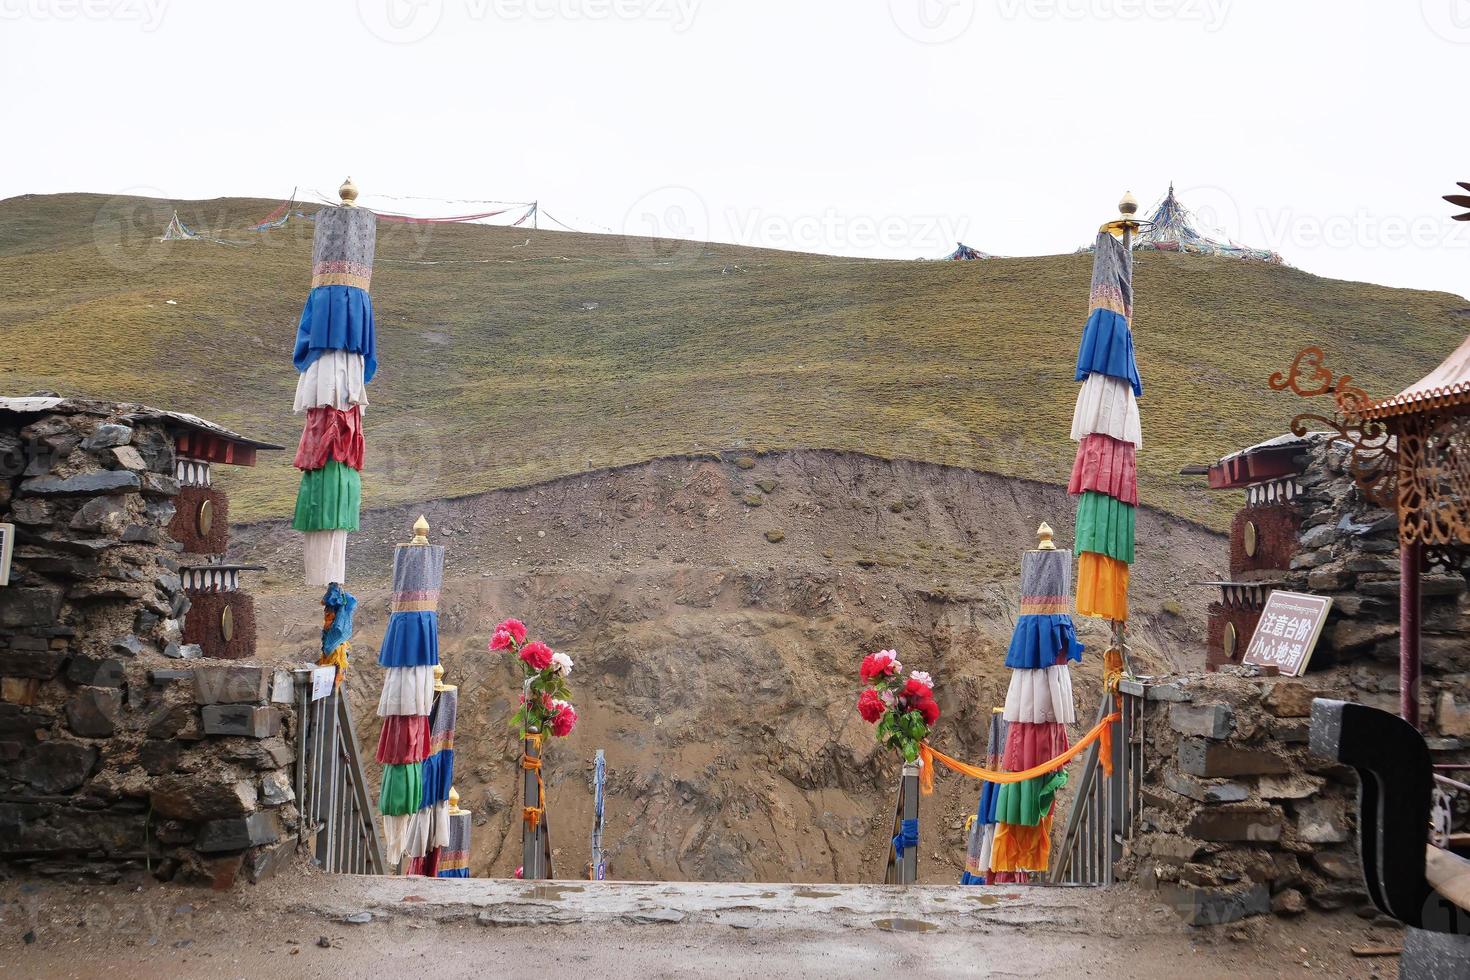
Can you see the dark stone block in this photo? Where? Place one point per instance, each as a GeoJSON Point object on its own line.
{"type": "Point", "coordinates": [1199, 757]}
{"type": "Point", "coordinates": [29, 607]}
{"type": "Point", "coordinates": [107, 435]}
{"type": "Point", "coordinates": [265, 753]}
{"type": "Point", "coordinates": [1203, 792]}
{"type": "Point", "coordinates": [157, 485]}
{"type": "Point", "coordinates": [92, 713]}
{"type": "Point", "coordinates": [35, 830]}
{"type": "Point", "coordinates": [1261, 824]}
{"type": "Point", "coordinates": [238, 833]}
{"type": "Point", "coordinates": [95, 671]}
{"type": "Point", "coordinates": [169, 676]}
{"type": "Point", "coordinates": [1214, 721]}
{"type": "Point", "coordinates": [131, 646]}
{"type": "Point", "coordinates": [41, 664]}
{"type": "Point", "coordinates": [18, 722]}
{"type": "Point", "coordinates": [263, 862]}
{"type": "Point", "coordinates": [170, 719]}
{"type": "Point", "coordinates": [230, 684]}
{"type": "Point", "coordinates": [109, 515]}
{"type": "Point", "coordinates": [83, 484]}
{"type": "Point", "coordinates": [56, 766]}
{"type": "Point", "coordinates": [239, 719]}
{"type": "Point", "coordinates": [195, 796]}
{"type": "Point", "coordinates": [158, 757]}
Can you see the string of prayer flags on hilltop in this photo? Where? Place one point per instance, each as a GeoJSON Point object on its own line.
{"type": "Point", "coordinates": [336, 355]}
{"type": "Point", "coordinates": [1038, 708]}
{"type": "Point", "coordinates": [409, 655]}
{"type": "Point", "coordinates": [1105, 425]}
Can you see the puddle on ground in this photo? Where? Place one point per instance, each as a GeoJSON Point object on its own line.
{"type": "Point", "coordinates": [813, 893]}
{"type": "Point", "coordinates": [554, 893]}
{"type": "Point", "coordinates": [987, 899]}
{"type": "Point", "coordinates": [905, 925]}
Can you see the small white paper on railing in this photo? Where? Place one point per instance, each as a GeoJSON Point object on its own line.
{"type": "Point", "coordinates": [322, 679]}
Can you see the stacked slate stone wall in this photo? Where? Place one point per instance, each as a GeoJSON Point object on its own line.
{"type": "Point", "coordinates": [119, 746]}
{"type": "Point", "coordinates": [1238, 818]}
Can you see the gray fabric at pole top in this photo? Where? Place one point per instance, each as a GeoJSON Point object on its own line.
{"type": "Point", "coordinates": [418, 567]}
{"type": "Point", "coordinates": [345, 235]}
{"type": "Point", "coordinates": [1112, 266]}
{"type": "Point", "coordinates": [1046, 573]}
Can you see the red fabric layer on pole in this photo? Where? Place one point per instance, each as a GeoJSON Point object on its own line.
{"type": "Point", "coordinates": [404, 739]}
{"type": "Point", "coordinates": [1106, 465]}
{"type": "Point", "coordinates": [1029, 745]}
{"type": "Point", "coordinates": [331, 434]}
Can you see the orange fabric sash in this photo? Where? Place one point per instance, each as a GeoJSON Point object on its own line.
{"type": "Point", "coordinates": [1102, 733]}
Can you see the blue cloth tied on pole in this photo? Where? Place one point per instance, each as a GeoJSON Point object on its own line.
{"type": "Point", "coordinates": [340, 631]}
{"type": "Point", "coordinates": [908, 836]}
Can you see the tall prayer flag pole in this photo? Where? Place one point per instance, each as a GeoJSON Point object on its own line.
{"type": "Point", "coordinates": [1107, 429]}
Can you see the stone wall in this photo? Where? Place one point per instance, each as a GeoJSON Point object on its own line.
{"type": "Point", "coordinates": [119, 746]}
{"type": "Point", "coordinates": [1238, 818]}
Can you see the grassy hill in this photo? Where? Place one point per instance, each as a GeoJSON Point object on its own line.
{"type": "Point", "coordinates": [507, 361]}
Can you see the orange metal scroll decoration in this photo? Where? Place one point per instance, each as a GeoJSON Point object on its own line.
{"type": "Point", "coordinates": [1374, 460]}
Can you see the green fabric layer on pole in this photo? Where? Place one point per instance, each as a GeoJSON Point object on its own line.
{"type": "Point", "coordinates": [329, 499]}
{"type": "Point", "coordinates": [1025, 803]}
{"type": "Point", "coordinates": [1105, 526]}
{"type": "Point", "coordinates": [403, 789]}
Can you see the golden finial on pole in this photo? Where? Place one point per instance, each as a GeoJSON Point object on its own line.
{"type": "Point", "coordinates": [420, 531]}
{"type": "Point", "coordinates": [1043, 538]}
{"type": "Point", "coordinates": [1126, 223]}
{"type": "Point", "coordinates": [348, 193]}
{"type": "Point", "coordinates": [454, 801]}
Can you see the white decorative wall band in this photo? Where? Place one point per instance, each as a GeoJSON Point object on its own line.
{"type": "Point", "coordinates": [192, 473]}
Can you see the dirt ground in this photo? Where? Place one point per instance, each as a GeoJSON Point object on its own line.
{"type": "Point", "coordinates": [717, 609]}
{"type": "Point", "coordinates": [303, 925]}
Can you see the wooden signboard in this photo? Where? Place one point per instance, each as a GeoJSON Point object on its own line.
{"type": "Point", "coordinates": [1288, 631]}
{"type": "Point", "coordinates": [7, 545]}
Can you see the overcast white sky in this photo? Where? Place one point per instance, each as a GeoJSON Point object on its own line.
{"type": "Point", "coordinates": [1326, 129]}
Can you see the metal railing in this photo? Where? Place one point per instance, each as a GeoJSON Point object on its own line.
{"type": "Point", "coordinates": [331, 789]}
{"type": "Point", "coordinates": [1105, 810]}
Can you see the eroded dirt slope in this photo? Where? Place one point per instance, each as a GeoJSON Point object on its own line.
{"type": "Point", "coordinates": [716, 666]}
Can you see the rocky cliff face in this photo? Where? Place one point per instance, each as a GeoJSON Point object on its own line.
{"type": "Point", "coordinates": [717, 608]}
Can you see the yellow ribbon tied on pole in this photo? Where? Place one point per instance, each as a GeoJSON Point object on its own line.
{"type": "Point", "coordinates": [1102, 733]}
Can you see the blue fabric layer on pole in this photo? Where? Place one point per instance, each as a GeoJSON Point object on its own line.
{"type": "Point", "coordinates": [345, 603]}
{"type": "Point", "coordinates": [968, 879]}
{"type": "Point", "coordinates": [1043, 641]}
{"type": "Point", "coordinates": [1107, 348]}
{"type": "Point", "coordinates": [985, 812]}
{"type": "Point", "coordinates": [438, 776]}
{"type": "Point", "coordinates": [908, 836]}
{"type": "Point", "coordinates": [337, 318]}
{"type": "Point", "coordinates": [412, 640]}
{"type": "Point", "coordinates": [455, 873]}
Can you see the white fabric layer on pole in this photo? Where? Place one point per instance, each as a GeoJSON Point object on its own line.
{"type": "Point", "coordinates": [407, 691]}
{"type": "Point", "coordinates": [1041, 697]}
{"type": "Point", "coordinates": [325, 557]}
{"type": "Point", "coordinates": [1106, 405]}
{"type": "Point", "coordinates": [427, 829]}
{"type": "Point", "coordinates": [405, 834]}
{"type": "Point", "coordinates": [335, 379]}
{"type": "Point", "coordinates": [987, 845]}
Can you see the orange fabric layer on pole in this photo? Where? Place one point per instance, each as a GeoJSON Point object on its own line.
{"type": "Point", "coordinates": [1102, 586]}
{"type": "Point", "coordinates": [1101, 732]}
{"type": "Point", "coordinates": [1022, 847]}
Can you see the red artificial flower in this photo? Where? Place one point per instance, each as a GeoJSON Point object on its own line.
{"type": "Point", "coordinates": [502, 640]}
{"type": "Point", "coordinates": [916, 688]}
{"type": "Point", "coordinates": [564, 721]}
{"type": "Point", "coordinates": [929, 709]}
{"type": "Point", "coordinates": [515, 628]}
{"type": "Point", "coordinates": [537, 655]}
{"type": "Point", "coordinates": [870, 706]}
